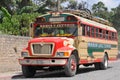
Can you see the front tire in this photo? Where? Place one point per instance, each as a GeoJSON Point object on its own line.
{"type": "Point", "coordinates": [28, 71]}
{"type": "Point", "coordinates": [71, 66]}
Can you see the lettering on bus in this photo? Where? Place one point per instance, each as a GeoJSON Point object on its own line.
{"type": "Point", "coordinates": [58, 25]}
{"type": "Point", "coordinates": [98, 45]}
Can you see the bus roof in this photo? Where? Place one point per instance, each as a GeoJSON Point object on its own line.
{"type": "Point", "coordinates": [94, 23]}
{"type": "Point", "coordinates": [86, 21]}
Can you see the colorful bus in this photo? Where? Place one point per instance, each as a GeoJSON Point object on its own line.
{"type": "Point", "coordinates": [64, 41]}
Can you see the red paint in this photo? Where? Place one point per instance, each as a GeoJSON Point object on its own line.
{"type": "Point", "coordinates": [57, 41]}
{"type": "Point", "coordinates": [112, 59]}
{"type": "Point", "coordinates": [85, 61]}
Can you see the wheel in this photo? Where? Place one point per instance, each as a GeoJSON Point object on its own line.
{"type": "Point", "coordinates": [97, 66]}
{"type": "Point", "coordinates": [71, 66]}
{"type": "Point", "coordinates": [28, 71]}
{"type": "Point", "coordinates": [102, 65]}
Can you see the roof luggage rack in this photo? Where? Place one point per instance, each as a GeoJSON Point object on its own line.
{"type": "Point", "coordinates": [87, 14]}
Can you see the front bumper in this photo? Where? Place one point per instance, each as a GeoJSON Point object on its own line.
{"type": "Point", "coordinates": [43, 62]}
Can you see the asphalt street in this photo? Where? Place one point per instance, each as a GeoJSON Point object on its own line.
{"type": "Point", "coordinates": [84, 73]}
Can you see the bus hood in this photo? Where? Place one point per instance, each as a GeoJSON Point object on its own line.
{"type": "Point", "coordinates": [61, 41]}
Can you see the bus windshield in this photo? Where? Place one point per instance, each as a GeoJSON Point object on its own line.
{"type": "Point", "coordinates": [56, 31]}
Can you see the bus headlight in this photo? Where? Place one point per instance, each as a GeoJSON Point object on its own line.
{"type": "Point", "coordinates": [24, 54]}
{"type": "Point", "coordinates": [62, 54]}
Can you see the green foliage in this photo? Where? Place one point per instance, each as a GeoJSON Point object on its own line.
{"type": "Point", "coordinates": [73, 4]}
{"type": "Point", "coordinates": [18, 25]}
{"type": "Point", "coordinates": [5, 12]}
{"type": "Point", "coordinates": [116, 18]}
{"type": "Point", "coordinates": [9, 5]}
{"type": "Point", "coordinates": [100, 10]}
{"type": "Point", "coordinates": [119, 41]}
{"type": "Point", "coordinates": [26, 9]}
{"type": "Point", "coordinates": [48, 5]}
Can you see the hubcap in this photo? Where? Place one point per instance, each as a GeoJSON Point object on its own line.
{"type": "Point", "coordinates": [106, 63]}
{"type": "Point", "coordinates": [73, 65]}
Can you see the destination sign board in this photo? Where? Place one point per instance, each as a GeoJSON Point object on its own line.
{"type": "Point", "coordinates": [56, 19]}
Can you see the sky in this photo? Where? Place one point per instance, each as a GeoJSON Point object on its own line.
{"type": "Point", "coordinates": [108, 3]}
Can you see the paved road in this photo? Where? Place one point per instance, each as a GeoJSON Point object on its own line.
{"type": "Point", "coordinates": [112, 73]}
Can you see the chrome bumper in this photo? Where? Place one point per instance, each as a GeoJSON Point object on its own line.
{"type": "Point", "coordinates": [43, 62]}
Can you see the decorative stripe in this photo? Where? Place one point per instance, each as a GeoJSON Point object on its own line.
{"type": "Point", "coordinates": [91, 61]}
{"type": "Point", "coordinates": [97, 47]}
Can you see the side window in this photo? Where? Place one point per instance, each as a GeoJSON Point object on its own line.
{"type": "Point", "coordinates": [113, 36]}
{"type": "Point", "coordinates": [110, 36]}
{"type": "Point", "coordinates": [88, 30]}
{"type": "Point", "coordinates": [100, 33]}
{"type": "Point", "coordinates": [93, 32]}
{"type": "Point", "coordinates": [83, 29]}
{"type": "Point", "coordinates": [106, 34]}
{"type": "Point", "coordinates": [97, 32]}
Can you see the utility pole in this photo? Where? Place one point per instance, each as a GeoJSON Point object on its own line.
{"type": "Point", "coordinates": [58, 5]}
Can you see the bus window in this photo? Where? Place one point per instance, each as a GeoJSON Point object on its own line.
{"type": "Point", "coordinates": [83, 29]}
{"type": "Point", "coordinates": [100, 33]}
{"type": "Point", "coordinates": [106, 35]}
{"type": "Point", "coordinates": [110, 36]}
{"type": "Point", "coordinates": [37, 31]}
{"type": "Point", "coordinates": [56, 30]}
{"type": "Point", "coordinates": [93, 32]}
{"type": "Point", "coordinates": [97, 32]}
{"type": "Point", "coordinates": [113, 35]}
{"type": "Point", "coordinates": [88, 30]}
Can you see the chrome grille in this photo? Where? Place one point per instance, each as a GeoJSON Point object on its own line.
{"type": "Point", "coordinates": [42, 48]}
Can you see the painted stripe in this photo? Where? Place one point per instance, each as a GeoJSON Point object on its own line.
{"type": "Point", "coordinates": [112, 59]}
{"type": "Point", "coordinates": [91, 61]}
{"type": "Point", "coordinates": [98, 47]}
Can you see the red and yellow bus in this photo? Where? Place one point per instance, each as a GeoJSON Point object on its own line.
{"type": "Point", "coordinates": [63, 40]}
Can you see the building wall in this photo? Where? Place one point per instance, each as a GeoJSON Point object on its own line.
{"type": "Point", "coordinates": [10, 49]}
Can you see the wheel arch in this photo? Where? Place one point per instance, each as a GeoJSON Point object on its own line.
{"type": "Point", "coordinates": [106, 53]}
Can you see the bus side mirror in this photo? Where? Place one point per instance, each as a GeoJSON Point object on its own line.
{"type": "Point", "coordinates": [31, 30]}
{"type": "Point", "coordinates": [31, 25]}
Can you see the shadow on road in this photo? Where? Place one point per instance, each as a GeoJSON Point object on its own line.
{"type": "Point", "coordinates": [57, 74]}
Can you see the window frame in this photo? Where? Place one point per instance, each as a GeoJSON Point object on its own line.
{"type": "Point", "coordinates": [94, 32]}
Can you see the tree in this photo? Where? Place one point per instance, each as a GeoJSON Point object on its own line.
{"type": "Point", "coordinates": [115, 18]}
{"type": "Point", "coordinates": [48, 5]}
{"type": "Point", "coordinates": [77, 6]}
{"type": "Point", "coordinates": [25, 6]}
{"type": "Point", "coordinates": [18, 25]}
{"type": "Point", "coordinates": [100, 10]}
{"type": "Point", "coordinates": [5, 12]}
{"type": "Point", "coordinates": [8, 4]}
